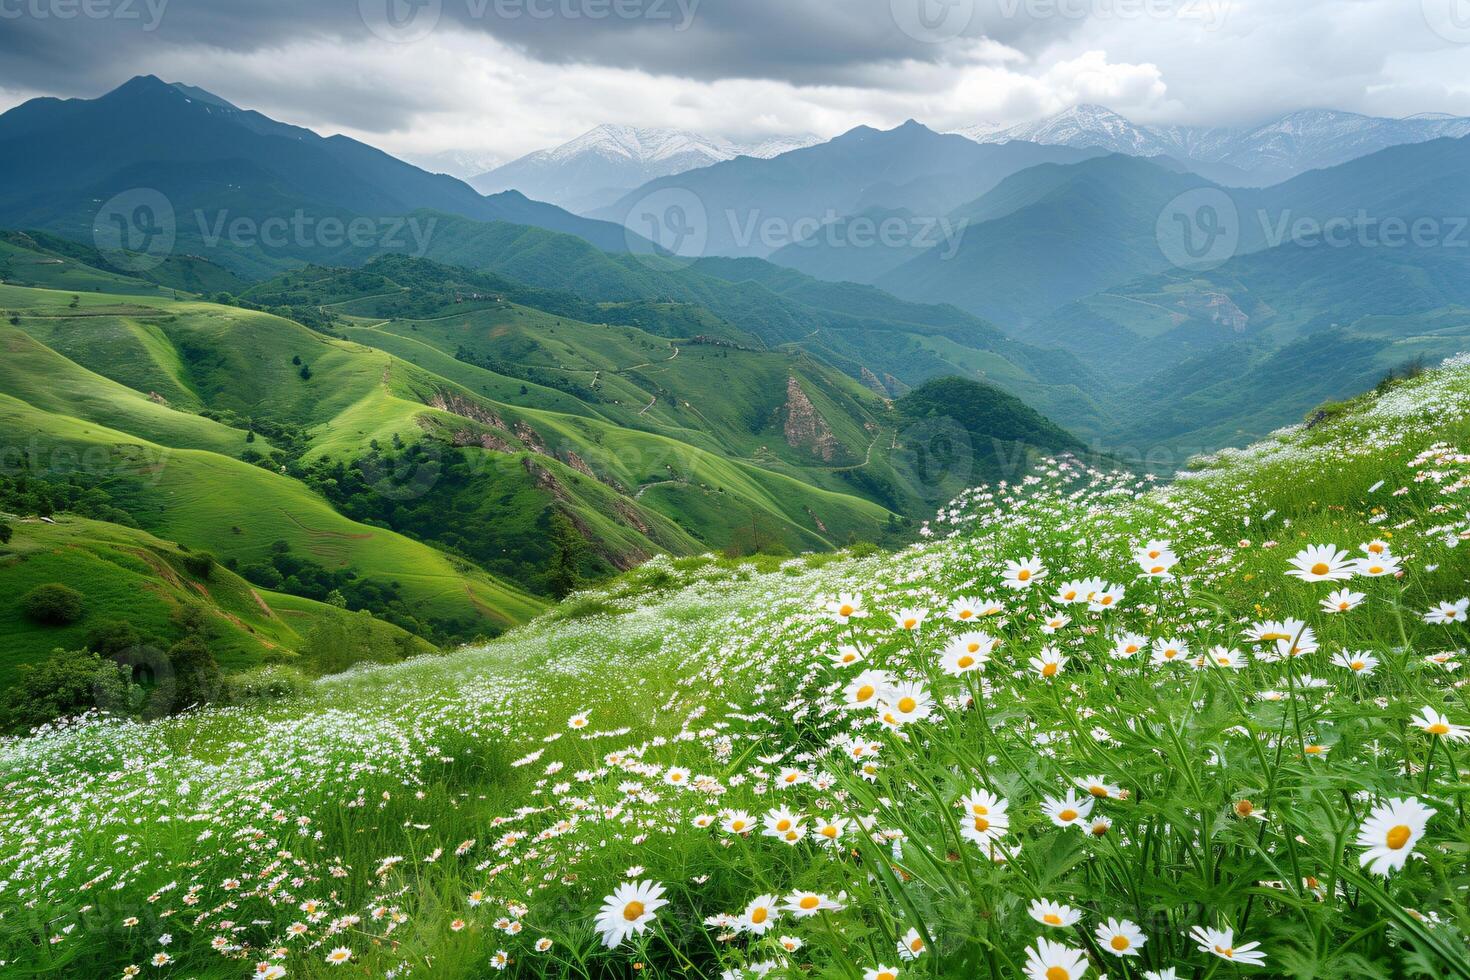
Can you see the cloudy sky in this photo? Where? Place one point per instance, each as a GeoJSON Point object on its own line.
{"type": "Point", "coordinates": [499, 78]}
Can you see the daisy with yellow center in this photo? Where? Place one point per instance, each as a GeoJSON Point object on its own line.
{"type": "Point", "coordinates": [846, 608]}
{"type": "Point", "coordinates": [1343, 600]}
{"type": "Point", "coordinates": [1120, 937]}
{"type": "Point", "coordinates": [1448, 613]}
{"type": "Point", "coordinates": [1099, 788]}
{"type": "Point", "coordinates": [1431, 722]}
{"type": "Point", "coordinates": [829, 832]}
{"type": "Point", "coordinates": [1049, 960]}
{"type": "Point", "coordinates": [760, 916]}
{"type": "Point", "coordinates": [1068, 811]}
{"type": "Point", "coordinates": [1053, 914]}
{"type": "Point", "coordinates": [1322, 563]}
{"type": "Point", "coordinates": [986, 819]}
{"type": "Point", "coordinates": [910, 620]}
{"type": "Point", "coordinates": [1221, 943]}
{"type": "Point", "coordinates": [1170, 651]}
{"type": "Point", "coordinates": [628, 911]}
{"type": "Point", "coordinates": [911, 945]}
{"type": "Point", "coordinates": [803, 905]}
{"type": "Point", "coordinates": [737, 822]}
{"type": "Point", "coordinates": [906, 703]}
{"type": "Point", "coordinates": [1361, 664]}
{"type": "Point", "coordinates": [1389, 834]}
{"type": "Point", "coordinates": [964, 610]}
{"type": "Point", "coordinates": [781, 822]}
{"type": "Point", "coordinates": [1021, 575]}
{"type": "Point", "coordinates": [867, 689]}
{"type": "Point", "coordinates": [1128, 645]}
{"type": "Point", "coordinates": [967, 653]}
{"type": "Point", "coordinates": [1048, 664]}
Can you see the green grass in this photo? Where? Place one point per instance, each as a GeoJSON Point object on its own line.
{"type": "Point", "coordinates": [236, 510]}
{"type": "Point", "coordinates": [143, 366]}
{"type": "Point", "coordinates": [47, 380]}
{"type": "Point", "coordinates": [130, 575]}
{"type": "Point", "coordinates": [431, 801]}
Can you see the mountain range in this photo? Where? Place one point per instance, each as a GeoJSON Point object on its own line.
{"type": "Point", "coordinates": [604, 163]}
{"type": "Point", "coordinates": [754, 207]}
{"type": "Point", "coordinates": [217, 164]}
{"type": "Point", "coordinates": [1261, 154]}
{"type": "Point", "coordinates": [592, 171]}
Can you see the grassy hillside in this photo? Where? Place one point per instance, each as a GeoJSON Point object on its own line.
{"type": "Point", "coordinates": [238, 511]}
{"type": "Point", "coordinates": [127, 575]}
{"type": "Point", "coordinates": [779, 410]}
{"type": "Point", "coordinates": [481, 811]}
{"type": "Point", "coordinates": [318, 402]}
{"type": "Point", "coordinates": [506, 417]}
{"type": "Point", "coordinates": [1200, 360]}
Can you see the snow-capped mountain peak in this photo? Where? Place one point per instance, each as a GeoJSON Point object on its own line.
{"type": "Point", "coordinates": [649, 146]}
{"type": "Point", "coordinates": [602, 163]}
{"type": "Point", "coordinates": [1083, 125]}
{"type": "Point", "coordinates": [1271, 151]}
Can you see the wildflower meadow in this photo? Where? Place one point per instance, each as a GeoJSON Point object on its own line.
{"type": "Point", "coordinates": [1090, 726]}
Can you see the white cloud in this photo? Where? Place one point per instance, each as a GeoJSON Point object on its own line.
{"type": "Point", "coordinates": [753, 68]}
{"type": "Point", "coordinates": [469, 92]}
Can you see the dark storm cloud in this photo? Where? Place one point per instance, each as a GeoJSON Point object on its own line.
{"type": "Point", "coordinates": [77, 47]}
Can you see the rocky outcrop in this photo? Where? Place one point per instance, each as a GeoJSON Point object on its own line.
{"type": "Point", "coordinates": [531, 438]}
{"type": "Point", "coordinates": [870, 380]}
{"type": "Point", "coordinates": [485, 440]}
{"type": "Point", "coordinates": [466, 409]}
{"type": "Point", "coordinates": [544, 479]}
{"type": "Point", "coordinates": [579, 464]}
{"type": "Point", "coordinates": [805, 428]}
{"type": "Point", "coordinates": [628, 511]}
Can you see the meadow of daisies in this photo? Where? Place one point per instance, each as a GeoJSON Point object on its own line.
{"type": "Point", "coordinates": [1088, 727]}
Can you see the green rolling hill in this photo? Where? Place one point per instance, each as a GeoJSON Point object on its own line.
{"type": "Point", "coordinates": [128, 575]}
{"type": "Point", "coordinates": [418, 464]}
{"type": "Point", "coordinates": [1200, 360]}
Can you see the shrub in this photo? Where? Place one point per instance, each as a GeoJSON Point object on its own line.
{"type": "Point", "coordinates": [263, 575]}
{"type": "Point", "coordinates": [270, 683]}
{"type": "Point", "coordinates": [5, 533]}
{"type": "Point", "coordinates": [583, 608]}
{"type": "Point", "coordinates": [53, 604]}
{"type": "Point", "coordinates": [199, 564]}
{"type": "Point", "coordinates": [67, 683]}
{"type": "Point", "coordinates": [197, 677]}
{"type": "Point", "coordinates": [112, 637]}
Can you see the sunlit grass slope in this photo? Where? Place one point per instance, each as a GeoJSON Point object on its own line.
{"type": "Point", "coordinates": [127, 575]}
{"type": "Point", "coordinates": [215, 503]}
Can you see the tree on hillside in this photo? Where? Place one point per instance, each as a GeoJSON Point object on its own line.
{"type": "Point", "coordinates": [67, 683]}
{"type": "Point", "coordinates": [564, 575]}
{"type": "Point", "coordinates": [197, 675]}
{"type": "Point", "coordinates": [111, 637]}
{"type": "Point", "coordinates": [53, 604]}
